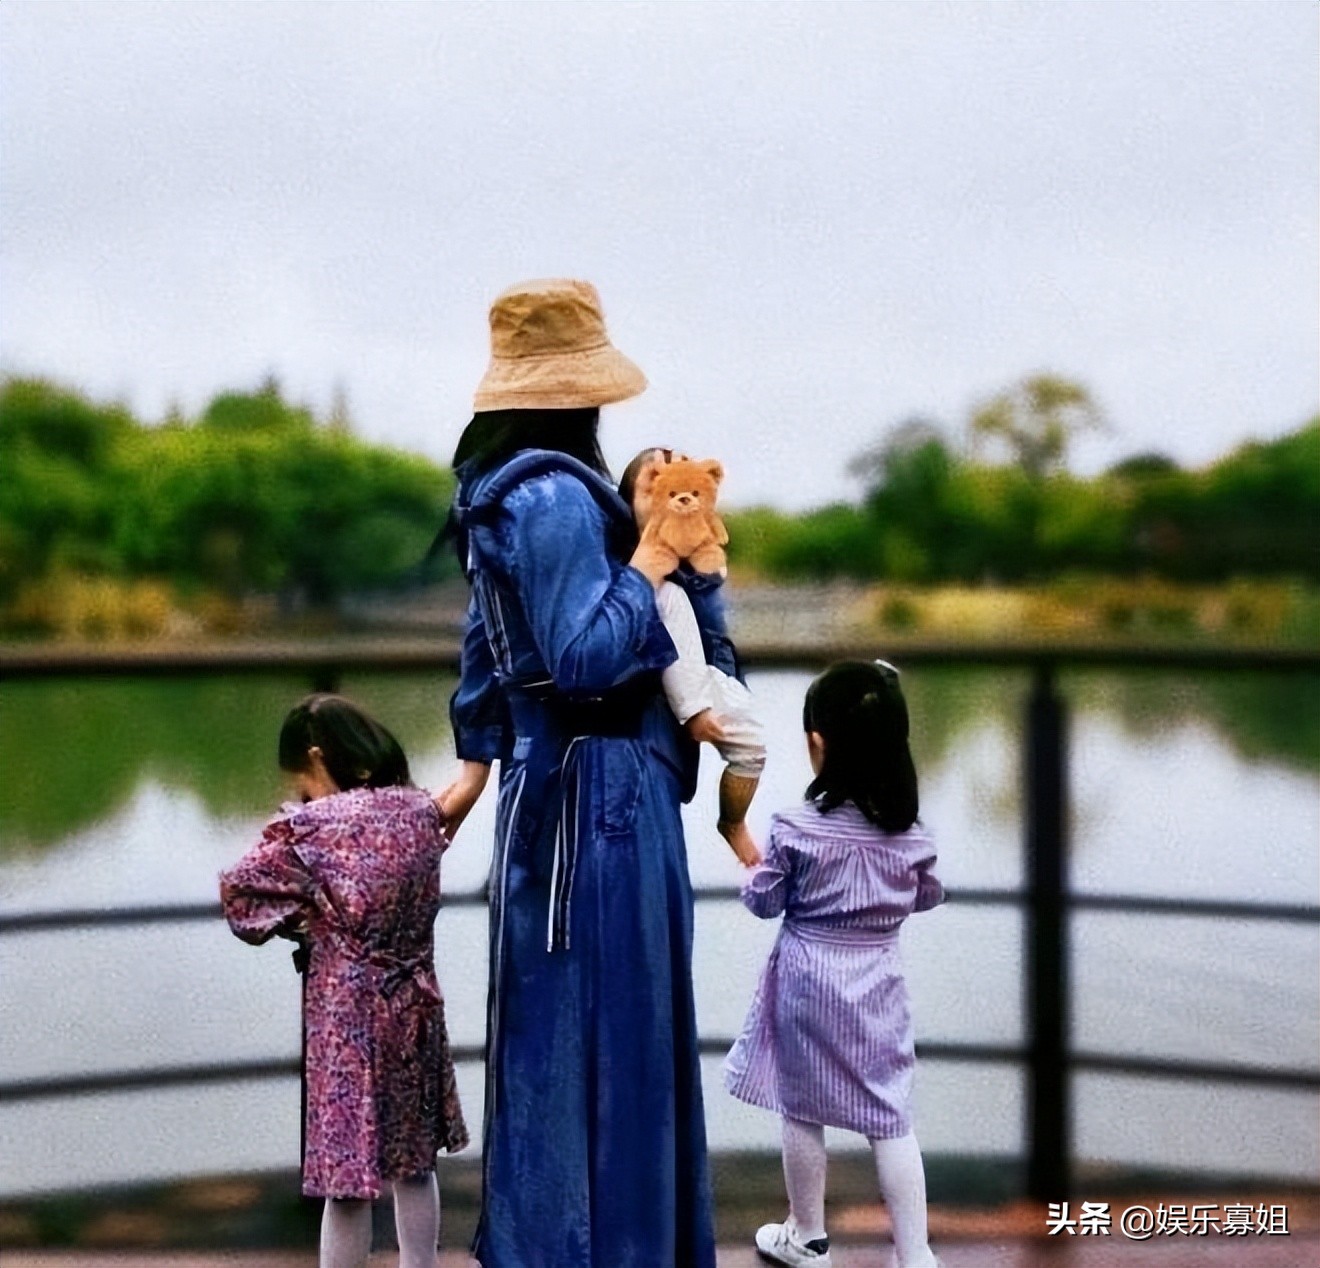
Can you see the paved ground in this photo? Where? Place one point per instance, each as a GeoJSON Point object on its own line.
{"type": "Point", "coordinates": [1297, 1251]}
{"type": "Point", "coordinates": [1009, 1235]}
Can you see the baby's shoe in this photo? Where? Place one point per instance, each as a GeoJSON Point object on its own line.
{"type": "Point", "coordinates": [780, 1244]}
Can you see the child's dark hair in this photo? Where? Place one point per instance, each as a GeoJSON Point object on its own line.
{"type": "Point", "coordinates": [628, 481]}
{"type": "Point", "coordinates": [357, 751]}
{"type": "Point", "coordinates": [857, 707]}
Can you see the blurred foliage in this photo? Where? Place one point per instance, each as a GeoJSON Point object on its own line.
{"type": "Point", "coordinates": [254, 496]}
{"type": "Point", "coordinates": [1098, 609]}
{"type": "Point", "coordinates": [1036, 421]}
{"type": "Point", "coordinates": [70, 605]}
{"type": "Point", "coordinates": [110, 528]}
{"type": "Point", "coordinates": [933, 512]}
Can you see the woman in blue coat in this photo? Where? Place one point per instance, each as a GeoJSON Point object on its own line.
{"type": "Point", "coordinates": [594, 1146]}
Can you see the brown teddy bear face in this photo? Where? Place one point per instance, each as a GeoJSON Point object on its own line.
{"type": "Point", "coordinates": [677, 501]}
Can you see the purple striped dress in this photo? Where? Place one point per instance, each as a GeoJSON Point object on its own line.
{"type": "Point", "coordinates": [828, 1038]}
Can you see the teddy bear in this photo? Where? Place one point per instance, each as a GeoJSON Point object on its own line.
{"type": "Point", "coordinates": [677, 499]}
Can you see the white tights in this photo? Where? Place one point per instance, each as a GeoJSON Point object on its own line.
{"type": "Point", "coordinates": [346, 1226]}
{"type": "Point", "coordinates": [902, 1185]}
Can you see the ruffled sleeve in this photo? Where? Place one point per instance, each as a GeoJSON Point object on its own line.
{"type": "Point", "coordinates": [269, 890]}
{"type": "Point", "coordinates": [765, 892]}
{"type": "Point", "coordinates": [930, 891]}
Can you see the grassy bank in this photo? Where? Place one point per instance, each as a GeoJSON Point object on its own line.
{"type": "Point", "coordinates": [71, 608]}
{"type": "Point", "coordinates": [1252, 613]}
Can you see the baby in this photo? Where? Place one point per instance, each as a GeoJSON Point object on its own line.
{"type": "Point", "coordinates": [714, 706]}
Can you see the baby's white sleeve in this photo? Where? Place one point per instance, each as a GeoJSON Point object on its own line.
{"type": "Point", "coordinates": [686, 681]}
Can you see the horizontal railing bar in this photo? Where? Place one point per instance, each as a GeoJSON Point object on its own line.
{"type": "Point", "coordinates": [1105, 902]}
{"type": "Point", "coordinates": [1302, 912]}
{"type": "Point", "coordinates": [238, 1071]}
{"type": "Point", "coordinates": [92, 917]}
{"type": "Point", "coordinates": [932, 1051]}
{"type": "Point", "coordinates": [34, 921]}
{"type": "Point", "coordinates": [412, 655]}
{"type": "Point", "coordinates": [170, 1076]}
{"type": "Point", "coordinates": [727, 893]}
{"type": "Point", "coordinates": [1207, 1071]}
{"type": "Point", "coordinates": [145, 1080]}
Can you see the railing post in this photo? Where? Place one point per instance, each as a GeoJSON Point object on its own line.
{"type": "Point", "coordinates": [1046, 812]}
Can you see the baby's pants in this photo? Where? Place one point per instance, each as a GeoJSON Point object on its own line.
{"type": "Point", "coordinates": [743, 748]}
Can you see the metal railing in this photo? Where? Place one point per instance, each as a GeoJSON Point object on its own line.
{"type": "Point", "coordinates": [1046, 1054]}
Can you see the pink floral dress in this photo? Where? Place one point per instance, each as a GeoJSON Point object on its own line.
{"type": "Point", "coordinates": [358, 874]}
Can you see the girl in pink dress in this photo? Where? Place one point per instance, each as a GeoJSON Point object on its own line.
{"type": "Point", "coordinates": [828, 1040]}
{"type": "Point", "coordinates": [354, 874]}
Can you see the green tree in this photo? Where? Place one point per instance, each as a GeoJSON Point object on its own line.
{"type": "Point", "coordinates": [1143, 466]}
{"type": "Point", "coordinates": [1254, 512]}
{"type": "Point", "coordinates": [908, 478]}
{"type": "Point", "coordinates": [1036, 420]}
{"type": "Point", "coordinates": [252, 496]}
{"type": "Point", "coordinates": [834, 541]}
{"type": "Point", "coordinates": [264, 410]}
{"type": "Point", "coordinates": [56, 448]}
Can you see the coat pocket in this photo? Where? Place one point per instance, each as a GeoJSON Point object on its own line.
{"type": "Point", "coordinates": [622, 772]}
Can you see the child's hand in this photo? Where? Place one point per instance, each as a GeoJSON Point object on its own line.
{"type": "Point", "coordinates": [740, 841]}
{"type": "Point", "coordinates": [705, 727]}
{"type": "Point", "coordinates": [456, 800]}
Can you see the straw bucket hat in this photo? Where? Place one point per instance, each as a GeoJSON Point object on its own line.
{"type": "Point", "coordinates": [549, 350]}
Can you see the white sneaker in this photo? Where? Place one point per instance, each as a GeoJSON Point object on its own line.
{"type": "Point", "coordinates": [780, 1244]}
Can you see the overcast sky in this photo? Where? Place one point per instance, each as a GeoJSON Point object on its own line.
{"type": "Point", "coordinates": [807, 221]}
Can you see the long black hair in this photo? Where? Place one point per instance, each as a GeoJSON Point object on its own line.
{"type": "Point", "coordinates": [358, 752]}
{"type": "Point", "coordinates": [857, 708]}
{"type": "Point", "coordinates": [628, 481]}
{"type": "Point", "coordinates": [496, 434]}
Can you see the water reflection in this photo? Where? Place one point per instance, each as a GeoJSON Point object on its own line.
{"type": "Point", "coordinates": [116, 792]}
{"type": "Point", "coordinates": [75, 752]}
{"type": "Point", "coordinates": [1262, 716]}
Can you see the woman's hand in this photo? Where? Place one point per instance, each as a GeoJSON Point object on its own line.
{"type": "Point", "coordinates": [460, 796]}
{"type": "Point", "coordinates": [652, 559]}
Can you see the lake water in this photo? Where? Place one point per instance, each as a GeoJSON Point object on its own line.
{"type": "Point", "coordinates": [137, 791]}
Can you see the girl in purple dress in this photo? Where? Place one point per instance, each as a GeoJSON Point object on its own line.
{"type": "Point", "coordinates": [828, 1040]}
{"type": "Point", "coordinates": [353, 873]}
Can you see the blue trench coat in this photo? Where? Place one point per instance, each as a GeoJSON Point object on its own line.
{"type": "Point", "coordinates": [594, 1143]}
